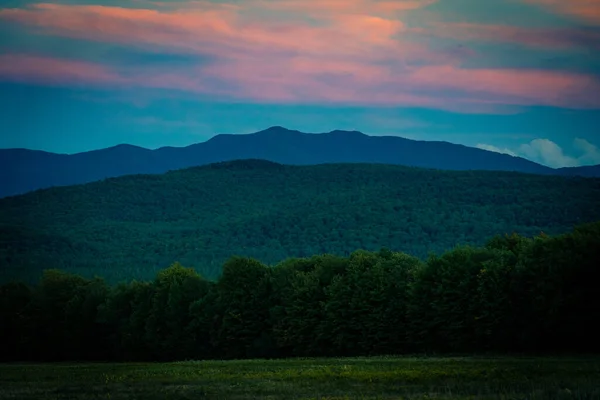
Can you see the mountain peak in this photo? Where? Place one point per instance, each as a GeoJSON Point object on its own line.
{"type": "Point", "coordinates": [124, 147]}
{"type": "Point", "coordinates": [276, 130]}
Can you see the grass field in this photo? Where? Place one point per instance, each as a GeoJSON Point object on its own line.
{"type": "Point", "coordinates": [344, 378]}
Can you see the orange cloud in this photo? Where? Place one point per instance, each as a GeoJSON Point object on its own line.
{"type": "Point", "coordinates": [216, 29]}
{"type": "Point", "coordinates": [126, 25]}
{"type": "Point", "coordinates": [586, 10]}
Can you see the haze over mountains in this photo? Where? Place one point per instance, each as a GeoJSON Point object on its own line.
{"type": "Point", "coordinates": [23, 170]}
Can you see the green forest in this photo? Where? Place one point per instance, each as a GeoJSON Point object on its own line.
{"type": "Point", "coordinates": [132, 227]}
{"type": "Point", "coordinates": [514, 294]}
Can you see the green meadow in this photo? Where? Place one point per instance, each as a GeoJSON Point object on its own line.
{"type": "Point", "coordinates": [333, 378]}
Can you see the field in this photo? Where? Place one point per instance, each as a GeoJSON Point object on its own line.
{"type": "Point", "coordinates": [342, 378]}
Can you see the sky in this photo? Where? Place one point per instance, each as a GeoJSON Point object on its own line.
{"type": "Point", "coordinates": [515, 76]}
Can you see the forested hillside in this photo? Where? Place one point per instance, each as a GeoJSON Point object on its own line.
{"type": "Point", "coordinates": [133, 226]}
{"type": "Point", "coordinates": [23, 170]}
{"type": "Point", "coordinates": [515, 294]}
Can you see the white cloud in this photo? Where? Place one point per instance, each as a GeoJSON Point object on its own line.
{"type": "Point", "coordinates": [495, 149]}
{"type": "Point", "coordinates": [547, 152]}
{"type": "Point", "coordinates": [590, 152]}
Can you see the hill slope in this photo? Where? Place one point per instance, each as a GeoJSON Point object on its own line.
{"type": "Point", "coordinates": [133, 226]}
{"type": "Point", "coordinates": [25, 170]}
{"type": "Point", "coordinates": [589, 171]}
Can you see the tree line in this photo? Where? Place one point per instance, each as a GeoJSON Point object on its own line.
{"type": "Point", "coordinates": [513, 295]}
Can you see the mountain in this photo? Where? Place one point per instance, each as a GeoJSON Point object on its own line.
{"type": "Point", "coordinates": [132, 226]}
{"type": "Point", "coordinates": [26, 170]}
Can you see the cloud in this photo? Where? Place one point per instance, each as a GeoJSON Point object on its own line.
{"type": "Point", "coordinates": [223, 30]}
{"type": "Point", "coordinates": [547, 152]}
{"type": "Point", "coordinates": [546, 37]}
{"type": "Point", "coordinates": [495, 149]}
{"type": "Point", "coordinates": [589, 153]}
{"type": "Point", "coordinates": [514, 86]}
{"type": "Point", "coordinates": [302, 80]}
{"type": "Point", "coordinates": [65, 72]}
{"type": "Point", "coordinates": [27, 68]}
{"type": "Point", "coordinates": [326, 51]}
{"type": "Point", "coordinates": [585, 10]}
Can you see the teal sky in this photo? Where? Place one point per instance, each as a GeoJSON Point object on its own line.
{"type": "Point", "coordinates": [517, 76]}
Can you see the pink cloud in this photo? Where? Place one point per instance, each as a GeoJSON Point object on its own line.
{"type": "Point", "coordinates": [524, 87]}
{"type": "Point", "coordinates": [301, 81]}
{"type": "Point", "coordinates": [351, 52]}
{"type": "Point", "coordinates": [45, 70]}
{"type": "Point", "coordinates": [125, 25]}
{"type": "Point", "coordinates": [56, 71]}
{"type": "Point", "coordinates": [586, 10]}
{"type": "Point", "coordinates": [218, 29]}
{"type": "Point", "coordinates": [306, 79]}
{"type": "Point", "coordinates": [346, 31]}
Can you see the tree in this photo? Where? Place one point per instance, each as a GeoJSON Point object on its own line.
{"type": "Point", "coordinates": [47, 319]}
{"type": "Point", "coordinates": [244, 303]}
{"type": "Point", "coordinates": [175, 289]}
{"type": "Point", "coordinates": [14, 337]}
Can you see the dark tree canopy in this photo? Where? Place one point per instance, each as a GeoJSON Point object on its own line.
{"type": "Point", "coordinates": [131, 227]}
{"type": "Point", "coordinates": [514, 295]}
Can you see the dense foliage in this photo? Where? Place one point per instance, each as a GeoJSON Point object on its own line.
{"type": "Point", "coordinates": [515, 294]}
{"type": "Point", "coordinates": [131, 227]}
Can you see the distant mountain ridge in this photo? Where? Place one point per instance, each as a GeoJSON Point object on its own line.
{"type": "Point", "coordinates": [23, 170]}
